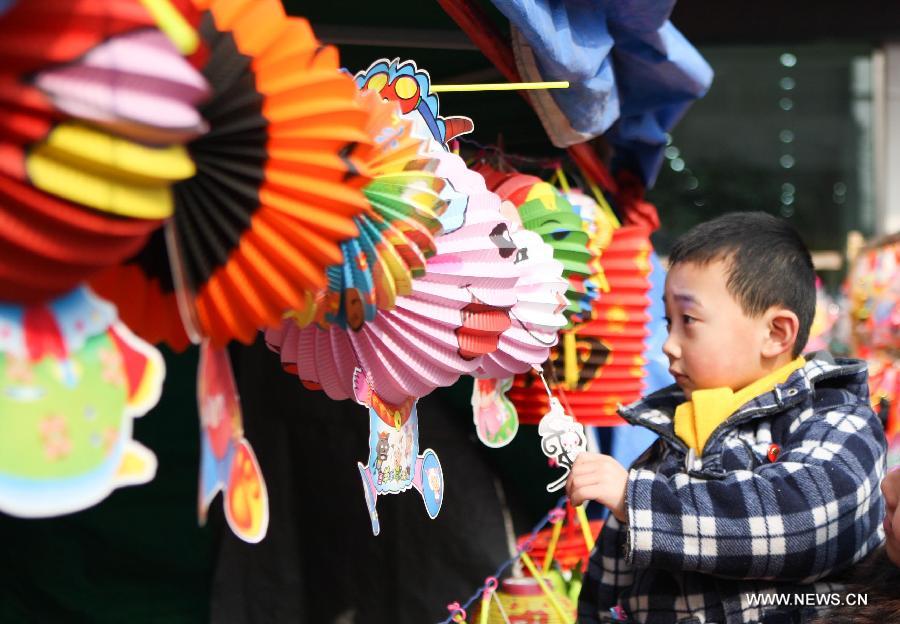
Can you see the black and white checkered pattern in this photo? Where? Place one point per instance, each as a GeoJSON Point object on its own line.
{"type": "Point", "coordinates": [704, 532]}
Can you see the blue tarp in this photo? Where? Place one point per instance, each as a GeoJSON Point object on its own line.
{"type": "Point", "coordinates": [631, 73]}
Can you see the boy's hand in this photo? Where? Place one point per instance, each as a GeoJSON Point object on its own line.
{"type": "Point", "coordinates": [600, 478]}
{"type": "Point", "coordinates": [890, 487]}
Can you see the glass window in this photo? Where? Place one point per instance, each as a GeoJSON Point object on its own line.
{"type": "Point", "coordinates": [786, 130]}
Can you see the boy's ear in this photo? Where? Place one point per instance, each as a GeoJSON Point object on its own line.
{"type": "Point", "coordinates": [783, 327]}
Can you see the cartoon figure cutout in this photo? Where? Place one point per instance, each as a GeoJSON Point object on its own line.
{"type": "Point", "coordinates": [411, 87]}
{"type": "Point", "coordinates": [562, 440]}
{"type": "Point", "coordinates": [72, 379]}
{"type": "Point", "coordinates": [395, 464]}
{"type": "Point", "coordinates": [496, 421]}
{"type": "Point", "coordinates": [227, 461]}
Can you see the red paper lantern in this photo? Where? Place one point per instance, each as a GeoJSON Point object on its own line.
{"type": "Point", "coordinates": [604, 358]}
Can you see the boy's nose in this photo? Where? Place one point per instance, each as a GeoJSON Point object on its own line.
{"type": "Point", "coordinates": [671, 349]}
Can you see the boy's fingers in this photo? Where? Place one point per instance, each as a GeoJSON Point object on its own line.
{"type": "Point", "coordinates": [584, 493]}
{"type": "Point", "coordinates": [591, 464]}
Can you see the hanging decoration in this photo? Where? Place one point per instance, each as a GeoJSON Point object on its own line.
{"type": "Point", "coordinates": [546, 212]}
{"type": "Point", "coordinates": [227, 461]}
{"type": "Point", "coordinates": [405, 83]}
{"type": "Point", "coordinates": [494, 415]}
{"type": "Point", "coordinates": [96, 105]}
{"type": "Point", "coordinates": [546, 594]}
{"type": "Point", "coordinates": [873, 291]}
{"type": "Point", "coordinates": [278, 180]}
{"type": "Point", "coordinates": [562, 440]}
{"type": "Point", "coordinates": [599, 364]}
{"type": "Point", "coordinates": [394, 463]}
{"type": "Point", "coordinates": [144, 293]}
{"type": "Point", "coordinates": [456, 313]}
{"type": "Point", "coordinates": [396, 231]}
{"type": "Point", "coordinates": [72, 378]}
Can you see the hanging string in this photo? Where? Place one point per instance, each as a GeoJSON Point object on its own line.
{"type": "Point", "coordinates": [524, 548]}
{"type": "Point", "coordinates": [546, 386]}
{"type": "Point", "coordinates": [564, 399]}
{"type": "Point", "coordinates": [528, 161]}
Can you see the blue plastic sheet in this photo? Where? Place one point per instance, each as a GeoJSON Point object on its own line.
{"type": "Point", "coordinates": [632, 75]}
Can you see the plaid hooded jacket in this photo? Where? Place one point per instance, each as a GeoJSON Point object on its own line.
{"type": "Point", "coordinates": [705, 532]}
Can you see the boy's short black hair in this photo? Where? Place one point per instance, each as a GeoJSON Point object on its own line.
{"type": "Point", "coordinates": [768, 264]}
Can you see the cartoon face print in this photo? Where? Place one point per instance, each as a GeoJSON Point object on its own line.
{"type": "Point", "coordinates": [382, 449]}
{"type": "Point", "coordinates": [500, 236]}
{"type": "Point", "coordinates": [353, 309]}
{"type": "Point", "coordinates": [434, 480]}
{"type": "Point", "coordinates": [399, 82]}
{"type": "Point", "coordinates": [482, 321]}
{"type": "Point", "coordinates": [410, 86]}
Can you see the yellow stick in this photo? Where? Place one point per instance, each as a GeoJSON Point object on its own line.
{"type": "Point", "coordinates": [551, 548]}
{"type": "Point", "coordinates": [563, 616]}
{"type": "Point", "coordinates": [554, 178]}
{"type": "Point", "coordinates": [585, 527]}
{"type": "Point", "coordinates": [500, 86]}
{"type": "Point", "coordinates": [563, 181]}
{"type": "Point", "coordinates": [570, 360]}
{"type": "Point", "coordinates": [601, 199]}
{"type": "Point", "coordinates": [485, 607]}
{"type": "Point", "coordinates": [173, 23]}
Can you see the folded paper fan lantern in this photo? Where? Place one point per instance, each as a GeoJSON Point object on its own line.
{"type": "Point", "coordinates": [599, 226]}
{"type": "Point", "coordinates": [454, 315]}
{"type": "Point", "coordinates": [398, 227]}
{"type": "Point", "coordinates": [277, 184]}
{"type": "Point", "coordinates": [545, 211]}
{"type": "Point", "coordinates": [97, 103]}
{"type": "Point", "coordinates": [143, 291]}
{"type": "Point", "coordinates": [94, 104]}
{"type": "Point", "coordinates": [537, 315]}
{"type": "Point", "coordinates": [599, 364]}
{"type": "Point", "coordinates": [48, 246]}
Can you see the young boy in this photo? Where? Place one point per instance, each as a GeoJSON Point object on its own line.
{"type": "Point", "coordinates": [765, 477]}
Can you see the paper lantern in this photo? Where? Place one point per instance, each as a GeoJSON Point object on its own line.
{"type": "Point", "coordinates": [456, 313]}
{"type": "Point", "coordinates": [537, 315]}
{"type": "Point", "coordinates": [143, 291]}
{"type": "Point", "coordinates": [95, 103]}
{"type": "Point", "coordinates": [278, 182]}
{"type": "Point", "coordinates": [523, 601]}
{"type": "Point", "coordinates": [599, 364]}
{"type": "Point", "coordinates": [544, 210]}
{"type": "Point", "coordinates": [397, 229]}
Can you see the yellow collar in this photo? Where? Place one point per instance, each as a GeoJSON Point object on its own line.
{"type": "Point", "coordinates": [696, 419]}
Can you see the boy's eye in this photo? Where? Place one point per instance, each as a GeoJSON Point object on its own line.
{"type": "Point", "coordinates": [668, 322]}
{"type": "Point", "coordinates": [688, 320]}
